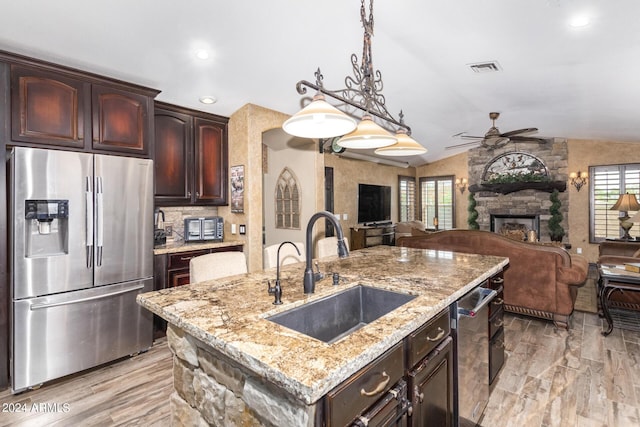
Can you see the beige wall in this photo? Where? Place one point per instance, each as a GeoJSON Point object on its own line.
{"type": "Point", "coordinates": [299, 161]}
{"type": "Point", "coordinates": [348, 173]}
{"type": "Point", "coordinates": [457, 166]}
{"type": "Point", "coordinates": [582, 154]}
{"type": "Point", "coordinates": [245, 148]}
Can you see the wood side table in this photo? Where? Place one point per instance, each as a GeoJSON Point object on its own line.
{"type": "Point", "coordinates": [614, 278]}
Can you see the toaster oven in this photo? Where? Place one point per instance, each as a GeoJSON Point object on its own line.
{"type": "Point", "coordinates": [203, 229]}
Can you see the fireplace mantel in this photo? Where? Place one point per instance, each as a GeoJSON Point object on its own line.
{"type": "Point", "coordinates": [511, 187]}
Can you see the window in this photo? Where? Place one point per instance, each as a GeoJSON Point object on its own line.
{"type": "Point", "coordinates": [407, 198]}
{"type": "Point", "coordinates": [437, 202]}
{"type": "Point", "coordinates": [287, 201]}
{"type": "Point", "coordinates": [606, 185]}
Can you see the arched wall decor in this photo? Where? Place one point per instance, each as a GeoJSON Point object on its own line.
{"type": "Point", "coordinates": [515, 165]}
{"type": "Point", "coordinates": [287, 200]}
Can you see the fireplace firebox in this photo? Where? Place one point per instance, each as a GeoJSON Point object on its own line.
{"type": "Point", "coordinates": [516, 226]}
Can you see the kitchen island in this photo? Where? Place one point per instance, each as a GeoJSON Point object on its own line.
{"type": "Point", "coordinates": [232, 366]}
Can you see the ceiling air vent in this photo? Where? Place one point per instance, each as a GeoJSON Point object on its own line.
{"type": "Point", "coordinates": [485, 67]}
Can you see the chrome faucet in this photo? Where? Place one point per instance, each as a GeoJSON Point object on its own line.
{"type": "Point", "coordinates": [277, 289]}
{"type": "Point", "coordinates": [309, 276]}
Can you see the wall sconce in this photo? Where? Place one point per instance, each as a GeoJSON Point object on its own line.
{"type": "Point", "coordinates": [578, 179]}
{"type": "Point", "coordinates": [461, 184]}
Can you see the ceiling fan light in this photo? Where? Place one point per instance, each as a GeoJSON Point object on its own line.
{"type": "Point", "coordinates": [319, 119]}
{"type": "Point", "coordinates": [406, 146]}
{"type": "Point", "coordinates": [368, 134]}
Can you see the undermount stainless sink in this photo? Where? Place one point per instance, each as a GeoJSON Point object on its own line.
{"type": "Point", "coordinates": [336, 316]}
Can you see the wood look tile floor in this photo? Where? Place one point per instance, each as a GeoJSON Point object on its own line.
{"type": "Point", "coordinates": [566, 378]}
{"type": "Point", "coordinates": [131, 392]}
{"type": "Point", "coordinates": [550, 378]}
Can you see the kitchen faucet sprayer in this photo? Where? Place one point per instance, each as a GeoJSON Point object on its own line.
{"type": "Point", "coordinates": [309, 276]}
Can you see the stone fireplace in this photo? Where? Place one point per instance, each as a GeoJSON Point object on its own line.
{"type": "Point", "coordinates": [527, 203]}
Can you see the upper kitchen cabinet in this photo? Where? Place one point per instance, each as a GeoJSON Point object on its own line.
{"type": "Point", "coordinates": [191, 157]}
{"type": "Point", "coordinates": [121, 120]}
{"type": "Point", "coordinates": [47, 108]}
{"type": "Point", "coordinates": [56, 106]}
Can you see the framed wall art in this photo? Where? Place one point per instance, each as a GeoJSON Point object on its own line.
{"type": "Point", "coordinates": [237, 189]}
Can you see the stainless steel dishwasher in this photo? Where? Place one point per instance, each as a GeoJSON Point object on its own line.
{"type": "Point", "coordinates": [472, 335]}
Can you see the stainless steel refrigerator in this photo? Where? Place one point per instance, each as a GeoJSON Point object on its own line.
{"type": "Point", "coordinates": [81, 248]}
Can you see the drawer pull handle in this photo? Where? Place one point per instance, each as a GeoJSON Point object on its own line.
{"type": "Point", "coordinates": [500, 344]}
{"type": "Point", "coordinates": [379, 388]}
{"type": "Point", "coordinates": [498, 301]}
{"type": "Point", "coordinates": [186, 258]}
{"type": "Point", "coordinates": [437, 337]}
{"type": "Point", "coordinates": [498, 280]}
{"type": "Point", "coordinates": [499, 323]}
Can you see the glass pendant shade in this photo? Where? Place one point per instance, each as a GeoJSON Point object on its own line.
{"type": "Point", "coordinates": [319, 119]}
{"type": "Point", "coordinates": [368, 134]}
{"type": "Point", "coordinates": [406, 146]}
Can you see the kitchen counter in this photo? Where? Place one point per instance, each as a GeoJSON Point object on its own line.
{"type": "Point", "coordinates": [229, 315]}
{"type": "Point", "coordinates": [181, 246]}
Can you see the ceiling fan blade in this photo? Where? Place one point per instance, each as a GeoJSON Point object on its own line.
{"type": "Point", "coordinates": [531, 139]}
{"type": "Point", "coordinates": [471, 137]}
{"type": "Point", "coordinates": [466, 144]}
{"type": "Point", "coordinates": [519, 131]}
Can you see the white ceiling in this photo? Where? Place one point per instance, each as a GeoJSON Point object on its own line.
{"type": "Point", "coordinates": [567, 82]}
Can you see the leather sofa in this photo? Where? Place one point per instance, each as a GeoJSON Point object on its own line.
{"type": "Point", "coordinates": [619, 253]}
{"type": "Point", "coordinates": [540, 280]}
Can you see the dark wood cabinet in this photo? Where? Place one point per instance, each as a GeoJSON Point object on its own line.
{"type": "Point", "coordinates": [430, 376]}
{"type": "Point", "coordinates": [432, 388]}
{"type": "Point", "coordinates": [211, 160]}
{"type": "Point", "coordinates": [365, 389]}
{"type": "Point", "coordinates": [172, 159]}
{"type": "Point", "coordinates": [47, 108]}
{"type": "Point", "coordinates": [191, 157]}
{"type": "Point", "coordinates": [120, 120]}
{"type": "Point", "coordinates": [366, 236]}
{"type": "Point", "coordinates": [496, 327]}
{"type": "Point", "coordinates": [55, 106]}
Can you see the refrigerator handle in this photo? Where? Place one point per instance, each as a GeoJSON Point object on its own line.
{"type": "Point", "coordinates": [88, 195]}
{"type": "Point", "coordinates": [99, 221]}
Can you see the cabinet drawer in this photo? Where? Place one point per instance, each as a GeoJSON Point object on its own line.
{"type": "Point", "coordinates": [421, 342]}
{"type": "Point", "coordinates": [497, 281]}
{"type": "Point", "coordinates": [496, 321]}
{"type": "Point", "coordinates": [363, 389]}
{"type": "Point", "coordinates": [496, 355]}
{"type": "Point", "coordinates": [181, 260]}
{"type": "Point", "coordinates": [497, 303]}
{"type": "Point", "coordinates": [388, 411]}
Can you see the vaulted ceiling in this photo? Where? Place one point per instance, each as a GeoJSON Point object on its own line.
{"type": "Point", "coordinates": [574, 82]}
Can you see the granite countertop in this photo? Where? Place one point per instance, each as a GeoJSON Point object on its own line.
{"type": "Point", "coordinates": [181, 246]}
{"type": "Point", "coordinates": [229, 315]}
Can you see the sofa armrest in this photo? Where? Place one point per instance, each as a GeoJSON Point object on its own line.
{"type": "Point", "coordinates": [576, 274]}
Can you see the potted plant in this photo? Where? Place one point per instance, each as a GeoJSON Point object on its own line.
{"type": "Point", "coordinates": [472, 220]}
{"type": "Point", "coordinates": [556, 232]}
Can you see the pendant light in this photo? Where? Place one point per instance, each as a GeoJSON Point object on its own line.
{"type": "Point", "coordinates": [368, 134]}
{"type": "Point", "coordinates": [319, 119]}
{"type": "Point", "coordinates": [406, 146]}
{"type": "Point", "coordinates": [363, 92]}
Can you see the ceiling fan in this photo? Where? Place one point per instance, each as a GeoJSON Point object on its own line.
{"type": "Point", "coordinates": [494, 138]}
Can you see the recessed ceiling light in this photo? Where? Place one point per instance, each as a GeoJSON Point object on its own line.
{"type": "Point", "coordinates": [202, 54]}
{"type": "Point", "coordinates": [579, 21]}
{"type": "Point", "coordinates": [208, 99]}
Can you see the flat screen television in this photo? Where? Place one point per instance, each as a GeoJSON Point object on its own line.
{"type": "Point", "coordinates": [374, 203]}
